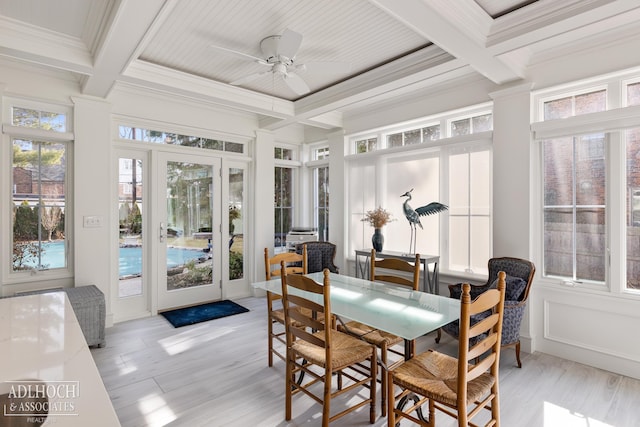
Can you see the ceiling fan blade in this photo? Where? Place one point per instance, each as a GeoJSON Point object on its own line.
{"type": "Point", "coordinates": [296, 83]}
{"type": "Point", "coordinates": [289, 43]}
{"type": "Point", "coordinates": [238, 54]}
{"type": "Point", "coordinates": [249, 78]}
{"type": "Point", "coordinates": [325, 67]}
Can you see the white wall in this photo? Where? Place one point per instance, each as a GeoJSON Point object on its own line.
{"type": "Point", "coordinates": [592, 328]}
{"type": "Point", "coordinates": [91, 190]}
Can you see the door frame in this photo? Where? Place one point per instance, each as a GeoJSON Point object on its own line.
{"type": "Point", "coordinates": [135, 306]}
{"type": "Point", "coordinates": [187, 296]}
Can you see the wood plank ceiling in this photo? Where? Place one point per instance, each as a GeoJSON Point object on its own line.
{"type": "Point", "coordinates": [389, 46]}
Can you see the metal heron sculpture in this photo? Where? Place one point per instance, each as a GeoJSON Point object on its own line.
{"type": "Point", "coordinates": [413, 216]}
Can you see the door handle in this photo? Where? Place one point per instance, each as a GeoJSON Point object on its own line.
{"type": "Point", "coordinates": [163, 232]}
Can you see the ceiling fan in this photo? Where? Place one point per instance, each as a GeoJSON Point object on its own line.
{"type": "Point", "coordinates": [279, 54]}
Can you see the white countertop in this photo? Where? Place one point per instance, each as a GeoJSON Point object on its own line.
{"type": "Point", "coordinates": [40, 338]}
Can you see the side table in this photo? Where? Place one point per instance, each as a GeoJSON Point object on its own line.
{"type": "Point", "coordinates": [430, 282]}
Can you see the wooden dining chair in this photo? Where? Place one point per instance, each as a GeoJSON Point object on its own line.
{"type": "Point", "coordinates": [316, 351]}
{"type": "Point", "coordinates": [293, 264]}
{"type": "Point", "coordinates": [452, 385]}
{"type": "Point", "coordinates": [397, 272]}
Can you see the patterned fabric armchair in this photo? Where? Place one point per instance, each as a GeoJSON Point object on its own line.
{"type": "Point", "coordinates": [320, 255]}
{"type": "Point", "coordinates": [519, 278]}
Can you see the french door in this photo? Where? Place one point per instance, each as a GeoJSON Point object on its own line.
{"type": "Point", "coordinates": [187, 219]}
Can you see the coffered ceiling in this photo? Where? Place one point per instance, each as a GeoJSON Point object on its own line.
{"type": "Point", "coordinates": [355, 51]}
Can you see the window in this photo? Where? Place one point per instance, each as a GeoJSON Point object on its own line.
{"type": "Point", "coordinates": [575, 105]}
{"type": "Point", "coordinates": [321, 202]}
{"type": "Point", "coordinates": [39, 189]}
{"type": "Point", "coordinates": [633, 94]}
{"type": "Point", "coordinates": [286, 166]}
{"type": "Point", "coordinates": [468, 219]}
{"type": "Point", "coordinates": [469, 125]}
{"type": "Point", "coordinates": [589, 213]}
{"type": "Point", "coordinates": [283, 153]}
{"type": "Point", "coordinates": [321, 153]}
{"type": "Point", "coordinates": [236, 222]}
{"type": "Point", "coordinates": [440, 166]}
{"type": "Point", "coordinates": [451, 124]}
{"type": "Point", "coordinates": [574, 207]}
{"type": "Point", "coordinates": [632, 142]}
{"type": "Point", "coordinates": [469, 210]}
{"type": "Point", "coordinates": [283, 205]}
{"type": "Point", "coordinates": [366, 145]}
{"type": "Point", "coordinates": [414, 136]}
{"type": "Point", "coordinates": [36, 119]}
{"type": "Point", "coordinates": [159, 137]}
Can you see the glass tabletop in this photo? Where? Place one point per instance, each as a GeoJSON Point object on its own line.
{"type": "Point", "coordinates": [391, 308]}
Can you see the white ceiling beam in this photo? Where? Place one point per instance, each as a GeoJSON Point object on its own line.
{"type": "Point", "coordinates": [330, 120]}
{"type": "Point", "coordinates": [401, 76]}
{"type": "Point", "coordinates": [153, 76]}
{"type": "Point", "coordinates": [131, 24]}
{"type": "Point", "coordinates": [459, 27]}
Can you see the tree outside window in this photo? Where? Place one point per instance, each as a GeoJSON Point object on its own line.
{"type": "Point", "coordinates": [39, 170]}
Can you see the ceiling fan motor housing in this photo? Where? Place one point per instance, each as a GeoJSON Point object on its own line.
{"type": "Point", "coordinates": [269, 48]}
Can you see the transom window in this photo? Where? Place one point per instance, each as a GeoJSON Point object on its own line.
{"type": "Point", "coordinates": [366, 145]}
{"type": "Point", "coordinates": [38, 119]}
{"type": "Point", "coordinates": [169, 138]}
{"type": "Point", "coordinates": [458, 123]}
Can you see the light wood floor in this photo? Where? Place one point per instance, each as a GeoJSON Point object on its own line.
{"type": "Point", "coordinates": [215, 374]}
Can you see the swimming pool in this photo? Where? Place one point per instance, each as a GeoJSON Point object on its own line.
{"type": "Point", "coordinates": [130, 260]}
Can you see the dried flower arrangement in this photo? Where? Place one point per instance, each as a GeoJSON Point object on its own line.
{"type": "Point", "coordinates": [378, 218]}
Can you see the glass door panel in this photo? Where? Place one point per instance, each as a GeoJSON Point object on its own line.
{"type": "Point", "coordinates": [130, 202]}
{"type": "Point", "coordinates": [189, 231]}
{"type": "Point", "coordinates": [236, 224]}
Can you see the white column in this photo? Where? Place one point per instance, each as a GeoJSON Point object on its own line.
{"type": "Point", "coordinates": [337, 215]}
{"type": "Point", "coordinates": [91, 180]}
{"type": "Point", "coordinates": [263, 213]}
{"type": "Point", "coordinates": [511, 171]}
{"type": "Point", "coordinates": [511, 183]}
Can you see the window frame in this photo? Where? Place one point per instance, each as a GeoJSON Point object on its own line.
{"type": "Point", "coordinates": [440, 147]}
{"type": "Point", "coordinates": [614, 121]}
{"type": "Point", "coordinates": [294, 164]}
{"type": "Point", "coordinates": [443, 120]}
{"type": "Point", "coordinates": [9, 133]}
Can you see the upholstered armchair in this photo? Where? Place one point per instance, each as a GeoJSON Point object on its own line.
{"type": "Point", "coordinates": [320, 255]}
{"type": "Point", "coordinates": [518, 283]}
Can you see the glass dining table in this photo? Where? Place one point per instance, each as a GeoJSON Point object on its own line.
{"type": "Point", "coordinates": [391, 308]}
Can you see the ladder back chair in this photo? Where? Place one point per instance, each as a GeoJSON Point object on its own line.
{"type": "Point", "coordinates": [388, 270]}
{"type": "Point", "coordinates": [455, 386]}
{"type": "Point", "coordinates": [318, 350]}
{"type": "Point", "coordinates": [293, 264]}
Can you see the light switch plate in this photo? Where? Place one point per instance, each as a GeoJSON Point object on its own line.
{"type": "Point", "coordinates": [92, 221]}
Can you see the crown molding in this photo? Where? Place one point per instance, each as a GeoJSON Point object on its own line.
{"type": "Point", "coordinates": [549, 18]}
{"type": "Point", "coordinates": [44, 47]}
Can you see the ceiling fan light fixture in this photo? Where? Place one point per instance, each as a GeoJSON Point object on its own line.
{"type": "Point", "coordinates": [280, 69]}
